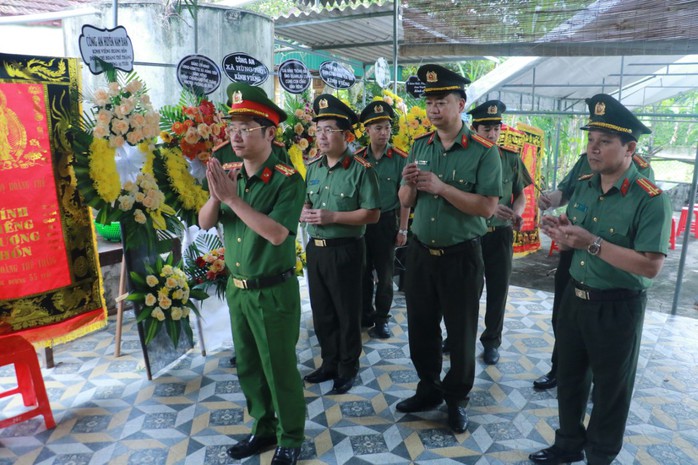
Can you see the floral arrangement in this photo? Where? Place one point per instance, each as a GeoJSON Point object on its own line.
{"type": "Point", "coordinates": [165, 298]}
{"type": "Point", "coordinates": [122, 113]}
{"type": "Point", "coordinates": [143, 203]}
{"type": "Point", "coordinates": [301, 259]}
{"type": "Point", "coordinates": [181, 190]}
{"type": "Point", "coordinates": [195, 126]}
{"type": "Point", "coordinates": [411, 125]}
{"type": "Point", "coordinates": [205, 263]}
{"type": "Point", "coordinates": [298, 132]}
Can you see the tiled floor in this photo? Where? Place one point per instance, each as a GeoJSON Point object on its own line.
{"type": "Point", "coordinates": [109, 413]}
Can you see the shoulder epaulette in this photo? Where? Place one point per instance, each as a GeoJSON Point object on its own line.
{"type": "Point", "coordinates": [585, 177]}
{"type": "Point", "coordinates": [360, 151]}
{"type": "Point", "coordinates": [424, 135]}
{"type": "Point", "coordinates": [221, 145]}
{"type": "Point", "coordinates": [648, 187]}
{"type": "Point", "coordinates": [363, 162]}
{"type": "Point", "coordinates": [284, 169]}
{"type": "Point", "coordinates": [399, 152]}
{"type": "Point", "coordinates": [313, 160]}
{"type": "Point", "coordinates": [233, 165]}
{"type": "Point", "coordinates": [641, 162]}
{"type": "Point", "coordinates": [278, 143]}
{"type": "Point", "coordinates": [482, 140]}
{"type": "Point", "coordinates": [510, 148]}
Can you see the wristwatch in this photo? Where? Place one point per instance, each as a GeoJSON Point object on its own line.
{"type": "Point", "coordinates": [595, 247]}
{"type": "Point", "coordinates": [402, 232]}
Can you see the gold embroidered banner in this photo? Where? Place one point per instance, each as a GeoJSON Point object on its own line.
{"type": "Point", "coordinates": [528, 142]}
{"type": "Point", "coordinates": [50, 283]}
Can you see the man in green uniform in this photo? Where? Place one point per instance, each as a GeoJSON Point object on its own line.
{"type": "Point", "coordinates": [555, 199]}
{"type": "Point", "coordinates": [341, 198]}
{"type": "Point", "coordinates": [453, 181]}
{"type": "Point", "coordinates": [259, 201]}
{"type": "Point", "coordinates": [617, 223]}
{"type": "Point", "coordinates": [498, 243]}
{"type": "Point", "coordinates": [391, 230]}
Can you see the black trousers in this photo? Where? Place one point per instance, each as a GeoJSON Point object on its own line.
{"type": "Point", "coordinates": [335, 299]}
{"type": "Point", "coordinates": [380, 256]}
{"type": "Point", "coordinates": [497, 253]}
{"type": "Point", "coordinates": [447, 286]}
{"type": "Point", "coordinates": [599, 340]}
{"type": "Point", "coordinates": [562, 279]}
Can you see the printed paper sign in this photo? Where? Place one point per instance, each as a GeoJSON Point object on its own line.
{"type": "Point", "coordinates": [110, 45]}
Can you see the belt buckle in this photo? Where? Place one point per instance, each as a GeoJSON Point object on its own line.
{"type": "Point", "coordinates": [320, 242]}
{"type": "Point", "coordinates": [436, 252]}
{"type": "Point", "coordinates": [581, 293]}
{"type": "Point", "coordinates": [491, 229]}
{"type": "Point", "coordinates": [240, 283]}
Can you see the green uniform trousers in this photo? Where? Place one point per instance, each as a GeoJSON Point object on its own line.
{"type": "Point", "coordinates": [444, 283]}
{"type": "Point", "coordinates": [497, 253]}
{"type": "Point", "coordinates": [266, 325]}
{"type": "Point", "coordinates": [380, 256]}
{"type": "Point", "coordinates": [599, 339]}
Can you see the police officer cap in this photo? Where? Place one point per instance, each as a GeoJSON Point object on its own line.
{"type": "Point", "coordinates": [376, 111]}
{"type": "Point", "coordinates": [328, 106]}
{"type": "Point", "coordinates": [609, 115]}
{"type": "Point", "coordinates": [438, 80]}
{"type": "Point", "coordinates": [489, 112]}
{"type": "Point", "coordinates": [250, 100]}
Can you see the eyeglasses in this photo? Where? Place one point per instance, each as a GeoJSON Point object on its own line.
{"type": "Point", "coordinates": [243, 132]}
{"type": "Point", "coordinates": [328, 131]}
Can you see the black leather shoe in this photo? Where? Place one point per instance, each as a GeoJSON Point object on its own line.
{"type": "Point", "coordinates": [286, 456]}
{"type": "Point", "coordinates": [319, 376]}
{"type": "Point", "coordinates": [251, 445]}
{"type": "Point", "coordinates": [418, 404]}
{"type": "Point", "coordinates": [342, 385]}
{"type": "Point", "coordinates": [491, 355]}
{"type": "Point", "coordinates": [381, 331]}
{"type": "Point", "coordinates": [445, 347]}
{"type": "Point", "coordinates": [555, 456]}
{"type": "Point", "coordinates": [548, 381]}
{"type": "Point", "coordinates": [457, 418]}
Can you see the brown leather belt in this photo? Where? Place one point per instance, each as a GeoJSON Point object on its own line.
{"type": "Point", "coordinates": [267, 281]}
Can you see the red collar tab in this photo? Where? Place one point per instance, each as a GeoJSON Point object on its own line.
{"type": "Point", "coordinates": [431, 139]}
{"type": "Point", "coordinates": [346, 162]}
{"type": "Point", "coordinates": [464, 141]}
{"type": "Point", "coordinates": [266, 175]}
{"type": "Point", "coordinates": [625, 186]}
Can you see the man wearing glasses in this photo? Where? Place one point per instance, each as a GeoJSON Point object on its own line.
{"type": "Point", "coordinates": [382, 237]}
{"type": "Point", "coordinates": [453, 181]}
{"type": "Point", "coordinates": [341, 198]}
{"type": "Point", "coordinates": [259, 201]}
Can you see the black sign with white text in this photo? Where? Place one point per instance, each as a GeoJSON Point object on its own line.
{"type": "Point", "coordinates": [414, 86]}
{"type": "Point", "coordinates": [336, 75]}
{"type": "Point", "coordinates": [241, 67]}
{"type": "Point", "coordinates": [109, 45]}
{"type": "Point", "coordinates": [294, 76]}
{"type": "Point", "coordinates": [198, 73]}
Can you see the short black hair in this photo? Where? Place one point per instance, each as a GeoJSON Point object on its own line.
{"type": "Point", "coordinates": [490, 123]}
{"type": "Point", "coordinates": [343, 124]}
{"type": "Point", "coordinates": [459, 93]}
{"type": "Point", "coordinates": [263, 121]}
{"type": "Point", "coordinates": [625, 138]}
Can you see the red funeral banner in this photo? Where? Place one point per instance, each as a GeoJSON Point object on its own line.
{"type": "Point", "coordinates": [50, 283]}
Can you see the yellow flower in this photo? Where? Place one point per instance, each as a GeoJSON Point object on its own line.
{"type": "Point", "coordinates": [303, 144]}
{"type": "Point", "coordinates": [158, 314]}
{"type": "Point", "coordinates": [296, 156]}
{"type": "Point", "coordinates": [102, 170]}
{"type": "Point", "coordinates": [176, 313]}
{"type": "Point", "coordinates": [139, 216]}
{"type": "Point", "coordinates": [171, 282]}
{"type": "Point", "coordinates": [150, 300]}
{"type": "Point", "coordinates": [298, 129]}
{"type": "Point", "coordinates": [178, 294]}
{"type": "Point", "coordinates": [167, 270]}
{"type": "Point", "coordinates": [151, 280]}
{"type": "Point", "coordinates": [166, 137]}
{"type": "Point", "coordinates": [164, 302]}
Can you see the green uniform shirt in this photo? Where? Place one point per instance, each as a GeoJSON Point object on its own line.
{"type": "Point", "coordinates": [582, 167]}
{"type": "Point", "coordinates": [351, 184]}
{"type": "Point", "coordinates": [225, 154]}
{"type": "Point", "coordinates": [389, 172]}
{"type": "Point", "coordinates": [469, 166]}
{"type": "Point", "coordinates": [627, 215]}
{"type": "Point", "coordinates": [277, 191]}
{"type": "Point", "coordinates": [513, 182]}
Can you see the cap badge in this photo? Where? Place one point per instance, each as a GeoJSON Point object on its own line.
{"type": "Point", "coordinates": [492, 110]}
{"type": "Point", "coordinates": [600, 109]}
{"type": "Point", "coordinates": [237, 97]}
{"type": "Point", "coordinates": [378, 108]}
{"type": "Point", "coordinates": [323, 104]}
{"type": "Point", "coordinates": [432, 76]}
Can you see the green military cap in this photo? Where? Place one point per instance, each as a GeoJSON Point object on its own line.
{"type": "Point", "coordinates": [376, 111]}
{"type": "Point", "coordinates": [609, 115]}
{"type": "Point", "coordinates": [489, 112]}
{"type": "Point", "coordinates": [327, 106]}
{"type": "Point", "coordinates": [250, 100]}
{"type": "Point", "coordinates": [438, 79]}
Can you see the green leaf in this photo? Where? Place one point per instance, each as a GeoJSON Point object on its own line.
{"type": "Point", "coordinates": [151, 329]}
{"type": "Point", "coordinates": [143, 314]}
{"type": "Point", "coordinates": [198, 294]}
{"type": "Point", "coordinates": [138, 279]}
{"type": "Point", "coordinates": [136, 297]}
{"type": "Point", "coordinates": [173, 330]}
{"type": "Point", "coordinates": [187, 330]}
